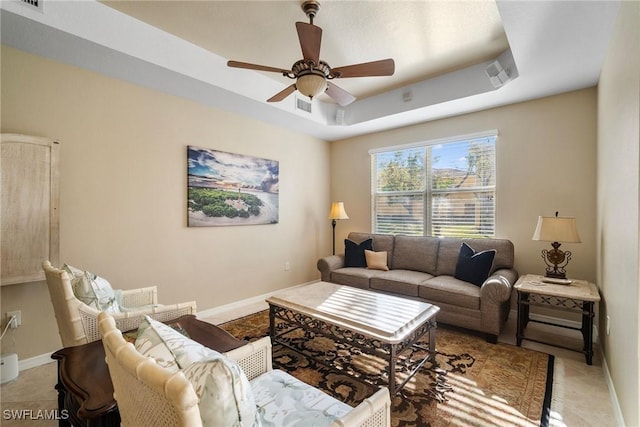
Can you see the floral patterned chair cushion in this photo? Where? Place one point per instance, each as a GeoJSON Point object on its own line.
{"type": "Point", "coordinates": [283, 401]}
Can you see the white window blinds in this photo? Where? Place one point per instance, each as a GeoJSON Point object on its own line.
{"type": "Point", "coordinates": [438, 188]}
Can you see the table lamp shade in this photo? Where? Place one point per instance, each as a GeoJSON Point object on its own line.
{"type": "Point", "coordinates": [557, 229]}
{"type": "Point", "coordinates": [337, 211]}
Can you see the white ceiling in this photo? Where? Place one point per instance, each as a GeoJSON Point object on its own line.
{"type": "Point", "coordinates": [424, 38]}
{"type": "Point", "coordinates": [441, 50]}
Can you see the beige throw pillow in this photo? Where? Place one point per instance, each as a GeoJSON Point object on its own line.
{"type": "Point", "coordinates": [376, 260]}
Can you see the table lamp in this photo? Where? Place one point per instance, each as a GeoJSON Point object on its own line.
{"type": "Point", "coordinates": [556, 229]}
{"type": "Point", "coordinates": [337, 212]}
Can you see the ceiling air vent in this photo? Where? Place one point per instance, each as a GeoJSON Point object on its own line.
{"type": "Point", "coordinates": [35, 4]}
{"type": "Point", "coordinates": [303, 105]}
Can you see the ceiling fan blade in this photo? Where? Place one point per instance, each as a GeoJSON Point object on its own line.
{"type": "Point", "coordinates": [339, 95]}
{"type": "Point", "coordinates": [310, 38]}
{"type": "Point", "coordinates": [237, 64]}
{"type": "Point", "coordinates": [384, 67]}
{"type": "Point", "coordinates": [282, 94]}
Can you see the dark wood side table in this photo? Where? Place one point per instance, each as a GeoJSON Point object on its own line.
{"type": "Point", "coordinates": [579, 296]}
{"type": "Point", "coordinates": [84, 386]}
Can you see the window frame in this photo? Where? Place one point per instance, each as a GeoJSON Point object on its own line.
{"type": "Point", "coordinates": [427, 192]}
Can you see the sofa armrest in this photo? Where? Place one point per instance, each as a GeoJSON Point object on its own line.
{"type": "Point", "coordinates": [497, 287]}
{"type": "Point", "coordinates": [254, 358]}
{"type": "Point", "coordinates": [327, 264]}
{"type": "Point", "coordinates": [373, 411]}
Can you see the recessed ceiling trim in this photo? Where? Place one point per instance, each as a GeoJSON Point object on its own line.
{"type": "Point", "coordinates": [559, 46]}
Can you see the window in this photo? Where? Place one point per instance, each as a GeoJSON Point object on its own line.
{"type": "Point", "coordinates": [436, 188]}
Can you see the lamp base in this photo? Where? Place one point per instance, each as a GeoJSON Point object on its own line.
{"type": "Point", "coordinates": [555, 275]}
{"type": "Point", "coordinates": [556, 261]}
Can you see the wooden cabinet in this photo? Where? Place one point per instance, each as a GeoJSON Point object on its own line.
{"type": "Point", "coordinates": [29, 207]}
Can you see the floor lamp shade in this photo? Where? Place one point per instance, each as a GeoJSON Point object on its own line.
{"type": "Point", "coordinates": [337, 212]}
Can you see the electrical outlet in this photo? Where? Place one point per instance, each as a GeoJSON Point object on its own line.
{"type": "Point", "coordinates": [18, 318]}
{"type": "Point", "coordinates": [287, 266]}
{"type": "Point", "coordinates": [608, 325]}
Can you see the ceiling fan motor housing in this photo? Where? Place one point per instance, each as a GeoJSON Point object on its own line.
{"type": "Point", "coordinates": [303, 67]}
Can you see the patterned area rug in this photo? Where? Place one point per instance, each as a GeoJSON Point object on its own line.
{"type": "Point", "coordinates": [474, 384]}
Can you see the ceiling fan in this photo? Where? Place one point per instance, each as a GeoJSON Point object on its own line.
{"type": "Point", "coordinates": [313, 75]}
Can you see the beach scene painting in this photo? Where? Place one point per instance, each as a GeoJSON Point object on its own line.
{"type": "Point", "coordinates": [230, 189]}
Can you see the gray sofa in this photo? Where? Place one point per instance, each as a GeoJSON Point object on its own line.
{"type": "Point", "coordinates": [423, 268]}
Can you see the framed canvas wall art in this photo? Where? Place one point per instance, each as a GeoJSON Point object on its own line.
{"type": "Point", "coordinates": [230, 189]}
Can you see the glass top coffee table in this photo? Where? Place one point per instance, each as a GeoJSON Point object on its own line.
{"type": "Point", "coordinates": [379, 324]}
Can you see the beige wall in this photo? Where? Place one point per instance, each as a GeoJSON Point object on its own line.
{"type": "Point", "coordinates": [123, 193]}
{"type": "Point", "coordinates": [546, 161]}
{"type": "Point", "coordinates": [618, 199]}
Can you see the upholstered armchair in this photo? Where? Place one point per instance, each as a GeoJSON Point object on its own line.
{"type": "Point", "coordinates": [149, 394]}
{"type": "Point", "coordinates": [78, 322]}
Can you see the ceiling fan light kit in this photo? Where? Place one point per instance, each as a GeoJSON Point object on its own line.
{"type": "Point", "coordinates": [311, 80]}
{"type": "Point", "coordinates": [312, 74]}
{"type": "Point", "coordinates": [311, 84]}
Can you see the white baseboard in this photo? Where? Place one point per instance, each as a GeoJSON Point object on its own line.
{"type": "Point", "coordinates": [32, 362]}
{"type": "Point", "coordinates": [617, 411]}
{"type": "Point", "coordinates": [248, 301]}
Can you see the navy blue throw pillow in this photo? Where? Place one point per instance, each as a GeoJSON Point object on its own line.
{"type": "Point", "coordinates": [354, 252]}
{"type": "Point", "coordinates": [472, 266]}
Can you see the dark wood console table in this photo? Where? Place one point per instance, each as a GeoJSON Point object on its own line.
{"type": "Point", "coordinates": [84, 386]}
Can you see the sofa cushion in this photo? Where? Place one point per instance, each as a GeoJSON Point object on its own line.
{"type": "Point", "coordinates": [504, 251]}
{"type": "Point", "coordinates": [416, 253]}
{"type": "Point", "coordinates": [381, 242]}
{"type": "Point", "coordinates": [376, 260]}
{"type": "Point", "coordinates": [352, 276]}
{"type": "Point", "coordinates": [354, 252]}
{"type": "Point", "coordinates": [403, 282]}
{"type": "Point", "coordinates": [283, 400]}
{"type": "Point", "coordinates": [449, 290]}
{"type": "Point", "coordinates": [450, 248]}
{"type": "Point", "coordinates": [448, 252]}
{"type": "Point", "coordinates": [472, 266]}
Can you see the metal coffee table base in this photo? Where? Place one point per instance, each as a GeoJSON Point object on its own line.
{"type": "Point", "coordinates": [384, 350]}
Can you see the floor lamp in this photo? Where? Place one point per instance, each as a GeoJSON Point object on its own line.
{"type": "Point", "coordinates": [337, 212]}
